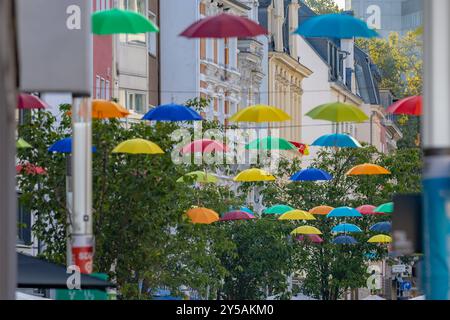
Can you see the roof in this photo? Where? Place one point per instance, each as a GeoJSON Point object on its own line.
{"type": "Point", "coordinates": [367, 77]}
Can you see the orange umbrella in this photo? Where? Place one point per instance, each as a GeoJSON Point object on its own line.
{"type": "Point", "coordinates": [105, 109]}
{"type": "Point", "coordinates": [202, 215]}
{"type": "Point", "coordinates": [321, 210]}
{"type": "Point", "coordinates": [367, 169]}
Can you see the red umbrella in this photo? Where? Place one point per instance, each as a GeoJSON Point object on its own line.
{"type": "Point", "coordinates": [203, 146]}
{"type": "Point", "coordinates": [411, 105]}
{"type": "Point", "coordinates": [223, 26]}
{"type": "Point", "coordinates": [28, 101]}
{"type": "Point", "coordinates": [314, 238]}
{"type": "Point", "coordinates": [29, 168]}
{"type": "Point", "coordinates": [302, 148]}
{"type": "Point", "coordinates": [237, 215]}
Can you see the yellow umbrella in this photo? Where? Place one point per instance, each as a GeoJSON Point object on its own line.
{"type": "Point", "coordinates": [367, 169]}
{"type": "Point", "coordinates": [321, 210]}
{"type": "Point", "coordinates": [253, 175]}
{"type": "Point", "coordinates": [380, 238]}
{"type": "Point", "coordinates": [306, 230]}
{"type": "Point", "coordinates": [199, 215]}
{"type": "Point", "coordinates": [138, 146]}
{"type": "Point", "coordinates": [297, 215]}
{"type": "Point", "coordinates": [260, 113]}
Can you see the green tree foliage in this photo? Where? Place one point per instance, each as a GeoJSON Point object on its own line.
{"type": "Point", "coordinates": [322, 6]}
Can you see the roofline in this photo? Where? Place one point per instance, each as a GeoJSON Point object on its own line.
{"type": "Point", "coordinates": [239, 4]}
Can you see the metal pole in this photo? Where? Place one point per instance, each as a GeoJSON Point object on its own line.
{"type": "Point", "coordinates": [436, 133]}
{"type": "Point", "coordinates": [8, 196]}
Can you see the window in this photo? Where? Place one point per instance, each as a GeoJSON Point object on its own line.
{"type": "Point", "coordinates": [97, 87]}
{"type": "Point", "coordinates": [102, 89]}
{"type": "Point", "coordinates": [138, 6]}
{"type": "Point", "coordinates": [152, 37]}
{"type": "Point", "coordinates": [107, 94]}
{"type": "Point", "coordinates": [23, 225]}
{"type": "Point", "coordinates": [136, 102]}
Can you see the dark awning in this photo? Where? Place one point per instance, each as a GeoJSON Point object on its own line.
{"type": "Point", "coordinates": [38, 273]}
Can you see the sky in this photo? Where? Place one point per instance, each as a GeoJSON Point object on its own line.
{"type": "Point", "coordinates": [340, 3]}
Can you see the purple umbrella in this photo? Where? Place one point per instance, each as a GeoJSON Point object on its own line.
{"type": "Point", "coordinates": [314, 238]}
{"type": "Point", "coordinates": [237, 215]}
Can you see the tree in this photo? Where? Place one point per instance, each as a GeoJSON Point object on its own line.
{"type": "Point", "coordinates": [322, 6]}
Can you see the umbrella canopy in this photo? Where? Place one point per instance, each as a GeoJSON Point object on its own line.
{"type": "Point", "coordinates": [245, 209]}
{"type": "Point", "coordinates": [338, 112]}
{"type": "Point", "coordinates": [237, 215]}
{"type": "Point", "coordinates": [366, 209]}
{"type": "Point", "coordinates": [199, 176]}
{"type": "Point", "coordinates": [346, 228]}
{"type": "Point", "coordinates": [306, 230]}
{"type": "Point", "coordinates": [344, 240]}
{"type": "Point", "coordinates": [28, 101]}
{"type": "Point", "coordinates": [367, 169]}
{"type": "Point", "coordinates": [314, 238]}
{"type": "Point", "coordinates": [29, 168]}
{"type": "Point", "coordinates": [117, 21]}
{"type": "Point", "coordinates": [344, 212]}
{"type": "Point", "coordinates": [254, 175]}
{"type": "Point", "coordinates": [270, 143]}
{"type": "Point", "coordinates": [105, 109]}
{"type": "Point", "coordinates": [172, 112]}
{"type": "Point", "coordinates": [411, 106]}
{"type": "Point", "coordinates": [204, 146]}
{"type": "Point", "coordinates": [22, 144]}
{"type": "Point", "coordinates": [200, 215]}
{"type": "Point", "coordinates": [337, 140]}
{"type": "Point", "coordinates": [380, 238]}
{"type": "Point", "coordinates": [311, 174]}
{"type": "Point", "coordinates": [385, 208]}
{"type": "Point", "coordinates": [381, 227]}
{"type": "Point", "coordinates": [297, 215]}
{"type": "Point", "coordinates": [321, 210]}
{"type": "Point", "coordinates": [138, 146]}
{"type": "Point", "coordinates": [278, 209]}
{"type": "Point", "coordinates": [335, 25]}
{"type": "Point", "coordinates": [64, 146]}
{"type": "Point", "coordinates": [260, 113]}
{"type": "Point", "coordinates": [302, 148]}
{"type": "Point", "coordinates": [223, 25]}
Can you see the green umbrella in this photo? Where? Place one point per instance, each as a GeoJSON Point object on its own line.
{"type": "Point", "coordinates": [270, 143]}
{"type": "Point", "coordinates": [199, 176]}
{"type": "Point", "coordinates": [121, 21]}
{"type": "Point", "coordinates": [22, 144]}
{"type": "Point", "coordinates": [338, 112]}
{"type": "Point", "coordinates": [278, 209]}
{"type": "Point", "coordinates": [385, 208]}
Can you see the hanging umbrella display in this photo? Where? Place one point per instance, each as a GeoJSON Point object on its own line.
{"type": "Point", "coordinates": [380, 238]}
{"type": "Point", "coordinates": [104, 109]}
{"type": "Point", "coordinates": [278, 209]}
{"type": "Point", "coordinates": [172, 112]}
{"type": "Point", "coordinates": [254, 175]}
{"type": "Point", "coordinates": [367, 169]}
{"type": "Point", "coordinates": [270, 143]}
{"type": "Point", "coordinates": [335, 25]}
{"type": "Point", "coordinates": [321, 210]}
{"type": "Point", "coordinates": [344, 212]}
{"type": "Point", "coordinates": [410, 106]}
{"type": "Point", "coordinates": [311, 174]}
{"type": "Point", "coordinates": [203, 146]}
{"type": "Point", "coordinates": [116, 21]}
{"type": "Point", "coordinates": [346, 228]}
{"type": "Point", "coordinates": [260, 113]}
{"type": "Point", "coordinates": [199, 215]}
{"type": "Point", "coordinates": [138, 146]}
{"type": "Point", "coordinates": [30, 169]}
{"type": "Point", "coordinates": [245, 209]}
{"type": "Point", "coordinates": [237, 215]}
{"type": "Point", "coordinates": [302, 148]}
{"type": "Point", "coordinates": [366, 209]}
{"type": "Point", "coordinates": [22, 144]}
{"type": "Point", "coordinates": [385, 208]}
{"type": "Point", "coordinates": [344, 240]}
{"type": "Point", "coordinates": [199, 177]}
{"type": "Point", "coordinates": [64, 146]}
{"type": "Point", "coordinates": [28, 101]}
{"type": "Point", "coordinates": [338, 112]}
{"type": "Point", "coordinates": [223, 25]}
{"type": "Point", "coordinates": [297, 215]}
{"type": "Point", "coordinates": [314, 238]}
{"type": "Point", "coordinates": [338, 140]}
{"type": "Point", "coordinates": [381, 227]}
{"type": "Point", "coordinates": [306, 230]}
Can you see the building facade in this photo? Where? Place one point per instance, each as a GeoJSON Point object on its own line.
{"type": "Point", "coordinates": [153, 56]}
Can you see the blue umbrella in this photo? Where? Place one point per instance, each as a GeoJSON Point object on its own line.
{"type": "Point", "coordinates": [381, 227]}
{"type": "Point", "coordinates": [337, 140]}
{"type": "Point", "coordinates": [311, 174]}
{"type": "Point", "coordinates": [172, 112]}
{"type": "Point", "coordinates": [346, 227]}
{"type": "Point", "coordinates": [245, 209]}
{"type": "Point", "coordinates": [340, 26]}
{"type": "Point", "coordinates": [64, 146]}
{"type": "Point", "coordinates": [344, 240]}
{"type": "Point", "coordinates": [344, 212]}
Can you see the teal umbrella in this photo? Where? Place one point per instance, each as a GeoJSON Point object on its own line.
{"type": "Point", "coordinates": [270, 143]}
{"type": "Point", "coordinates": [116, 21]}
{"type": "Point", "coordinates": [385, 208]}
{"type": "Point", "coordinates": [278, 209]}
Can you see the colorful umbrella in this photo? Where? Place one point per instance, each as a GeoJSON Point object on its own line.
{"type": "Point", "coordinates": [311, 174]}
{"type": "Point", "coordinates": [314, 238]}
{"type": "Point", "coordinates": [30, 169]}
{"type": "Point", "coordinates": [204, 146]}
{"type": "Point", "coordinates": [346, 228]}
{"type": "Point", "coordinates": [338, 140]}
{"type": "Point", "coordinates": [302, 148]}
{"type": "Point", "coordinates": [366, 209]}
{"type": "Point", "coordinates": [223, 26]}
{"type": "Point", "coordinates": [335, 25]}
{"type": "Point", "coordinates": [116, 21]}
{"type": "Point", "coordinates": [270, 143]}
{"type": "Point", "coordinates": [321, 210]}
{"type": "Point", "coordinates": [245, 209]}
{"type": "Point", "coordinates": [380, 238]}
{"type": "Point", "coordinates": [381, 227]}
{"type": "Point", "coordinates": [344, 240]}
{"type": "Point", "coordinates": [297, 215]}
{"type": "Point", "coordinates": [105, 109]}
{"type": "Point", "coordinates": [306, 230]}
{"type": "Point", "coordinates": [199, 176]}
{"type": "Point", "coordinates": [344, 212]}
{"type": "Point", "coordinates": [367, 169]}
{"type": "Point", "coordinates": [385, 208]}
{"type": "Point", "coordinates": [278, 209]}
{"type": "Point", "coordinates": [64, 146]}
{"type": "Point", "coordinates": [28, 101]}
{"type": "Point", "coordinates": [411, 106]}
{"type": "Point", "coordinates": [172, 112]}
{"type": "Point", "coordinates": [22, 144]}
{"type": "Point", "coordinates": [237, 215]}
{"type": "Point", "coordinates": [338, 112]}
{"type": "Point", "coordinates": [260, 113]}
{"type": "Point", "coordinates": [201, 215]}
{"type": "Point", "coordinates": [138, 146]}
{"type": "Point", "coordinates": [254, 175]}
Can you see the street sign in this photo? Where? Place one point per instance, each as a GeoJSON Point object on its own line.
{"type": "Point", "coordinates": [399, 268]}
{"type": "Point", "coordinates": [406, 286]}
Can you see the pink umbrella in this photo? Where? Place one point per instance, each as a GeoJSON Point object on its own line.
{"type": "Point", "coordinates": [237, 215]}
{"type": "Point", "coordinates": [29, 168]}
{"type": "Point", "coordinates": [204, 146]}
{"type": "Point", "coordinates": [28, 101]}
{"type": "Point", "coordinates": [314, 238]}
{"type": "Point", "coordinates": [367, 209]}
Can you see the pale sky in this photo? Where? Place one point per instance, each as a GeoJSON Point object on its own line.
{"type": "Point", "coordinates": [340, 3]}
